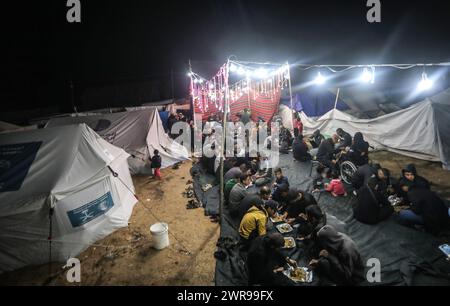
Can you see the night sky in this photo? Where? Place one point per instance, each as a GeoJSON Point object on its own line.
{"type": "Point", "coordinates": [118, 42]}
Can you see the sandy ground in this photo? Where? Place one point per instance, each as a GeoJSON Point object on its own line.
{"type": "Point", "coordinates": [127, 257]}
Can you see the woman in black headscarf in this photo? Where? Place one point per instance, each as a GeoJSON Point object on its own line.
{"type": "Point", "coordinates": [339, 260]}
{"type": "Point", "coordinates": [359, 151]}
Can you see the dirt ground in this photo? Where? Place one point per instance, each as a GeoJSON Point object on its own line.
{"type": "Point", "coordinates": [127, 257]}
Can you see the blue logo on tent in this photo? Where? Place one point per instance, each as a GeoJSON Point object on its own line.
{"type": "Point", "coordinates": [91, 210]}
{"type": "Point", "coordinates": [15, 162]}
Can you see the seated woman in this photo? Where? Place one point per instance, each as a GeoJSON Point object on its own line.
{"type": "Point", "coordinates": [339, 260]}
{"type": "Point", "coordinates": [265, 261]}
{"type": "Point", "coordinates": [427, 209]}
{"type": "Point", "coordinates": [300, 150]}
{"type": "Point", "coordinates": [372, 206]}
{"type": "Point", "coordinates": [359, 150]}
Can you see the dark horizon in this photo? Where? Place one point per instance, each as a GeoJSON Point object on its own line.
{"type": "Point", "coordinates": [129, 42]}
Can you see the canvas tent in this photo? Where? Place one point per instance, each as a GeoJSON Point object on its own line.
{"type": "Point", "coordinates": [68, 169]}
{"type": "Point", "coordinates": [420, 131]}
{"type": "Point", "coordinates": [6, 127]}
{"type": "Point", "coordinates": [138, 132]}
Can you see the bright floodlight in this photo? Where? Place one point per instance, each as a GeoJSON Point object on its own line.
{"type": "Point", "coordinates": [189, 74]}
{"type": "Point", "coordinates": [425, 83]}
{"type": "Point", "coordinates": [320, 79]}
{"type": "Point", "coordinates": [233, 68]}
{"type": "Point", "coordinates": [367, 76]}
{"type": "Point", "coordinates": [261, 73]}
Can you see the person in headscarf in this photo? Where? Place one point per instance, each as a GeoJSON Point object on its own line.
{"type": "Point", "coordinates": [372, 206]}
{"type": "Point", "coordinates": [359, 151]}
{"type": "Point", "coordinates": [339, 260]}
{"type": "Point", "coordinates": [316, 139]}
{"type": "Point", "coordinates": [300, 150]}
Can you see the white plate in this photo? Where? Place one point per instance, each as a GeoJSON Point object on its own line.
{"type": "Point", "coordinates": [308, 279]}
{"type": "Point", "coordinates": [284, 231]}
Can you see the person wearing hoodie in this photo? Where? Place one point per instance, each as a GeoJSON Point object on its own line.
{"type": "Point", "coordinates": [339, 260]}
{"type": "Point", "coordinates": [316, 139]}
{"type": "Point", "coordinates": [427, 209]}
{"type": "Point", "coordinates": [411, 178]}
{"type": "Point", "coordinates": [363, 174]}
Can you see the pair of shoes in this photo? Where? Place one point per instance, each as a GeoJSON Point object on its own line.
{"type": "Point", "coordinates": [206, 187]}
{"type": "Point", "coordinates": [192, 204]}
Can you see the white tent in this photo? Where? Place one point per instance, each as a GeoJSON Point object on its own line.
{"type": "Point", "coordinates": [420, 131]}
{"type": "Point", "coordinates": [70, 169]}
{"type": "Point", "coordinates": [6, 127]}
{"type": "Point", "coordinates": [138, 132]}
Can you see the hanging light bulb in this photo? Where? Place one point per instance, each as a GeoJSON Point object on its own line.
{"type": "Point", "coordinates": [189, 74]}
{"type": "Point", "coordinates": [196, 81]}
{"type": "Point", "coordinates": [367, 76]}
{"type": "Point", "coordinates": [320, 79]}
{"type": "Point", "coordinates": [424, 83]}
{"type": "Point", "coordinates": [211, 86]}
{"type": "Point", "coordinates": [200, 81]}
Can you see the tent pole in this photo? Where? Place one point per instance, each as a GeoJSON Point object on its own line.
{"type": "Point", "coordinates": [50, 234]}
{"type": "Point", "coordinates": [337, 97]}
{"type": "Point", "coordinates": [222, 149]}
{"type": "Point", "coordinates": [290, 94]}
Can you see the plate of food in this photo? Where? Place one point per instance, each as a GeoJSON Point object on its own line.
{"type": "Point", "coordinates": [284, 228]}
{"type": "Point", "coordinates": [289, 243]}
{"type": "Point", "coordinates": [299, 274]}
{"type": "Point", "coordinates": [276, 219]}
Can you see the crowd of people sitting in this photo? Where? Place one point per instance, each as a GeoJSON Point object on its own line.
{"type": "Point", "coordinates": [337, 259]}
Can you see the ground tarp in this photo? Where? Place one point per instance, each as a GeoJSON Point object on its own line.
{"type": "Point", "coordinates": [138, 132]}
{"type": "Point", "coordinates": [71, 169]}
{"type": "Point", "coordinates": [407, 257]}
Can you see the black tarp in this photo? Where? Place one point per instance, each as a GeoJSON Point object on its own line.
{"type": "Point", "coordinates": [407, 256]}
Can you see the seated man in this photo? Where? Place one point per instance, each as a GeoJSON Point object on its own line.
{"type": "Point", "coordinates": [339, 261]}
{"type": "Point", "coordinates": [427, 209]}
{"type": "Point", "coordinates": [281, 195]}
{"type": "Point", "coordinates": [253, 224]}
{"type": "Point", "coordinates": [265, 261]}
{"type": "Point", "coordinates": [325, 154]}
{"type": "Point", "coordinates": [298, 201]}
{"type": "Point", "coordinates": [311, 222]}
{"type": "Point", "coordinates": [280, 179]}
{"type": "Point", "coordinates": [251, 199]}
{"type": "Point", "coordinates": [345, 139]}
{"type": "Point", "coordinates": [234, 172]}
{"type": "Point", "coordinates": [372, 206]}
{"type": "Point", "coordinates": [409, 178]}
{"type": "Point", "coordinates": [264, 174]}
{"type": "Point", "coordinates": [237, 194]}
{"type": "Point", "coordinates": [229, 185]}
{"type": "Point", "coordinates": [300, 150]}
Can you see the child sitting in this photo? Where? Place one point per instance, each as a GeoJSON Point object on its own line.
{"type": "Point", "coordinates": [280, 180]}
{"type": "Point", "coordinates": [336, 187]}
{"type": "Point", "coordinates": [156, 164]}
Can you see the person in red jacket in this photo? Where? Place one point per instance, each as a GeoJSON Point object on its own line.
{"type": "Point", "coordinates": [336, 187]}
{"type": "Point", "coordinates": [298, 125]}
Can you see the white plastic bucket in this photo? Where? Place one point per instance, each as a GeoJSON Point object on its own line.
{"type": "Point", "coordinates": [160, 234]}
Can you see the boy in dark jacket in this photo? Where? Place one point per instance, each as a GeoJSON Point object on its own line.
{"type": "Point", "coordinates": [156, 164]}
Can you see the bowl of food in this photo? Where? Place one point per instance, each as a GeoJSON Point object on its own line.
{"type": "Point", "coordinates": [284, 228]}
